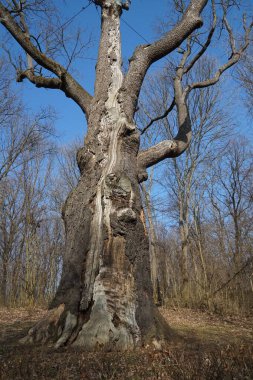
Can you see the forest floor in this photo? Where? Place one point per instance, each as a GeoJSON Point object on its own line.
{"type": "Point", "coordinates": [204, 346]}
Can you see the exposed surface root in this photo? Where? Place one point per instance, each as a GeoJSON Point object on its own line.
{"type": "Point", "coordinates": [103, 331]}
{"type": "Point", "coordinates": [46, 328]}
{"type": "Point", "coordinates": [207, 347]}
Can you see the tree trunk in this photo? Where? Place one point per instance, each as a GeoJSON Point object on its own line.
{"type": "Point", "coordinates": [153, 251]}
{"type": "Point", "coordinates": [184, 237]}
{"type": "Point", "coordinates": [237, 240]}
{"type": "Point", "coordinates": [104, 299]}
{"type": "Point", "coordinates": [3, 295]}
{"type": "Point", "coordinates": [105, 293]}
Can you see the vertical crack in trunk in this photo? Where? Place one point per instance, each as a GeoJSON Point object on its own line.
{"type": "Point", "coordinates": [110, 119]}
{"type": "Point", "coordinates": [104, 299]}
{"type": "Point", "coordinates": [112, 319]}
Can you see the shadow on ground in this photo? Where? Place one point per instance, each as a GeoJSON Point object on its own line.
{"type": "Point", "coordinates": [203, 347]}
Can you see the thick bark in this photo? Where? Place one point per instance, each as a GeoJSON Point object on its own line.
{"type": "Point", "coordinates": [104, 299]}
{"type": "Point", "coordinates": [105, 294]}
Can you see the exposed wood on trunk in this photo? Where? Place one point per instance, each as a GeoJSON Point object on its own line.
{"type": "Point", "coordinates": [107, 257]}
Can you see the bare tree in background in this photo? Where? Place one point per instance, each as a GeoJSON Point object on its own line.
{"type": "Point", "coordinates": [232, 193]}
{"type": "Point", "coordinates": [31, 235]}
{"type": "Point", "coordinates": [105, 296]}
{"type": "Point", "coordinates": [210, 128]}
{"type": "Point", "coordinates": [186, 176]}
{"type": "Point", "coordinates": [20, 133]}
{"type": "Point", "coordinates": [23, 139]}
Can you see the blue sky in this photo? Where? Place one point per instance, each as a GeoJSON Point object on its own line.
{"type": "Point", "coordinates": [142, 16]}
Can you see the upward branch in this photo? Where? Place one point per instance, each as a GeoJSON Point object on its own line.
{"type": "Point", "coordinates": [175, 147]}
{"type": "Point", "coordinates": [145, 55]}
{"type": "Point", "coordinates": [64, 80]}
{"type": "Point", "coordinates": [236, 54]}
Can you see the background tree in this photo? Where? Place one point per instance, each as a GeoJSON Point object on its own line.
{"type": "Point", "coordinates": [25, 146]}
{"type": "Point", "coordinates": [186, 176]}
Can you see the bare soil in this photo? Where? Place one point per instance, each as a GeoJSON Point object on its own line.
{"type": "Point", "coordinates": [203, 346]}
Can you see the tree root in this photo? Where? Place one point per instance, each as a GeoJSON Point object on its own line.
{"type": "Point", "coordinates": [102, 331]}
{"type": "Point", "coordinates": [50, 327]}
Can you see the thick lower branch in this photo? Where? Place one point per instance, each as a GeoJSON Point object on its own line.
{"type": "Point", "coordinates": [159, 152]}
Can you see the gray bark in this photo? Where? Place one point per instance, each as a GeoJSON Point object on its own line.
{"type": "Point", "coordinates": [104, 299]}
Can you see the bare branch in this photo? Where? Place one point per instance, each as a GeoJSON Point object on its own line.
{"type": "Point", "coordinates": [234, 58]}
{"type": "Point", "coordinates": [69, 85]}
{"type": "Point", "coordinates": [248, 262]}
{"type": "Point", "coordinates": [25, 29]}
{"type": "Point", "coordinates": [207, 43]}
{"type": "Point", "coordinates": [39, 81]}
{"type": "Point", "coordinates": [165, 114]}
{"type": "Point", "coordinates": [229, 30]}
{"type": "Point", "coordinates": [177, 86]}
{"type": "Point", "coordinates": [145, 55]}
{"type": "Point", "coordinates": [216, 77]}
{"type": "Point", "coordinates": [165, 149]}
{"type": "Point", "coordinates": [175, 147]}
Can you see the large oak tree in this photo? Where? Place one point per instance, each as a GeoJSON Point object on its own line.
{"type": "Point", "coordinates": [104, 297]}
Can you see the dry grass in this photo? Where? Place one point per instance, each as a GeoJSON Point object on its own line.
{"type": "Point", "coordinates": [206, 348]}
{"type": "Point", "coordinates": [209, 328]}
